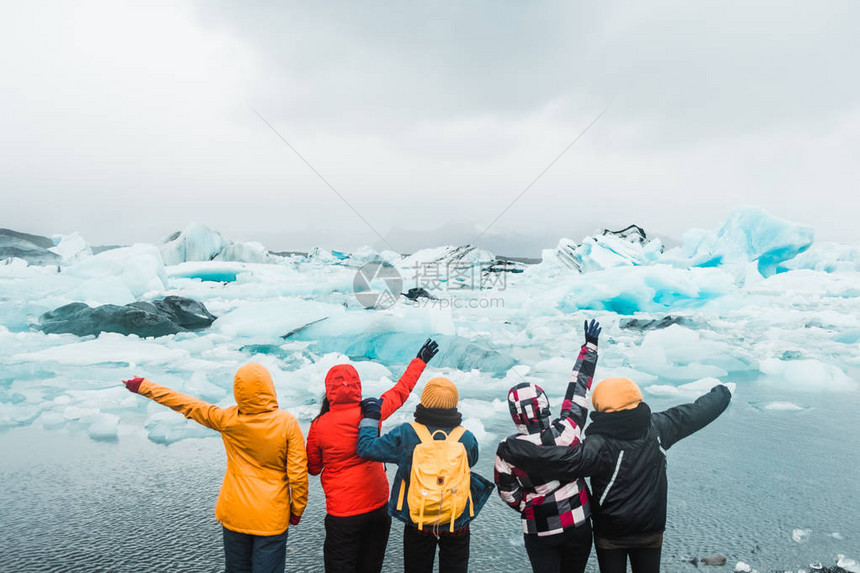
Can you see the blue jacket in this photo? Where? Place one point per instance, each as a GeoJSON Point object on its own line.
{"type": "Point", "coordinates": [396, 447]}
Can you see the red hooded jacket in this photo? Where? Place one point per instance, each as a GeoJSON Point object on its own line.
{"type": "Point", "coordinates": [352, 485]}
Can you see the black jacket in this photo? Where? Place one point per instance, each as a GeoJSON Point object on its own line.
{"type": "Point", "coordinates": [625, 455]}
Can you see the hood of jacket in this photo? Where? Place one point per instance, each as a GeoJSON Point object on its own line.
{"type": "Point", "coordinates": [622, 425]}
{"type": "Point", "coordinates": [342, 385]}
{"type": "Point", "coordinates": [254, 389]}
{"type": "Point", "coordinates": [529, 407]}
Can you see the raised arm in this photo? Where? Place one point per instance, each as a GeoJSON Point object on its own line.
{"type": "Point", "coordinates": [575, 405]}
{"type": "Point", "coordinates": [394, 398]}
{"type": "Point", "coordinates": [677, 423]}
{"type": "Point", "coordinates": [297, 470]}
{"type": "Point", "coordinates": [562, 463]}
{"type": "Point", "coordinates": [201, 412]}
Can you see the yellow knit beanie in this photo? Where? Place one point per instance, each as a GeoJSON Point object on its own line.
{"type": "Point", "coordinates": [616, 394]}
{"type": "Point", "coordinates": [439, 393]}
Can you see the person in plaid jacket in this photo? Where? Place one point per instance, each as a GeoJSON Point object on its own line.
{"type": "Point", "coordinates": [555, 515]}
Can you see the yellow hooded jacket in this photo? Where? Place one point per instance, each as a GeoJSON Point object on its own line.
{"type": "Point", "coordinates": [266, 478]}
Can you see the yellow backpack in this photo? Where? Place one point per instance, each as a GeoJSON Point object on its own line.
{"type": "Point", "coordinates": [439, 485]}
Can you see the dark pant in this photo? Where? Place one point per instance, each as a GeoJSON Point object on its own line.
{"type": "Point", "coordinates": [356, 544]}
{"type": "Point", "coordinates": [565, 551]}
{"type": "Point", "coordinates": [641, 560]}
{"type": "Point", "coordinates": [254, 553]}
{"type": "Point", "coordinates": [419, 551]}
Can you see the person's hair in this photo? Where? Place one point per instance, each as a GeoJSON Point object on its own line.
{"type": "Point", "coordinates": [326, 406]}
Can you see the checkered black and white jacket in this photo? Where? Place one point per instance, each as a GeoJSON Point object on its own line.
{"type": "Point", "coordinates": [548, 508]}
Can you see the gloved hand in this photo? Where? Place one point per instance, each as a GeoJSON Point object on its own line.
{"type": "Point", "coordinates": [428, 351]}
{"type": "Point", "coordinates": [295, 519]}
{"type": "Point", "coordinates": [592, 331]}
{"type": "Point", "coordinates": [133, 385]}
{"type": "Point", "coordinates": [371, 408]}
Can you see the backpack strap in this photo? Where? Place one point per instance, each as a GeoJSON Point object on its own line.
{"type": "Point", "coordinates": [400, 495]}
{"type": "Point", "coordinates": [422, 431]}
{"type": "Point", "coordinates": [456, 434]}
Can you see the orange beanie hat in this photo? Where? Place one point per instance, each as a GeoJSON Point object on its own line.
{"type": "Point", "coordinates": [616, 394]}
{"type": "Point", "coordinates": [439, 393]}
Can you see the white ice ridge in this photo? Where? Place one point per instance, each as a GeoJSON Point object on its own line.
{"type": "Point", "coordinates": [781, 405]}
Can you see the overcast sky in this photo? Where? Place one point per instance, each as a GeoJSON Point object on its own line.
{"type": "Point", "coordinates": [127, 120]}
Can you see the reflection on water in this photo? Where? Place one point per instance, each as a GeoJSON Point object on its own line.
{"type": "Point", "coordinates": [738, 488]}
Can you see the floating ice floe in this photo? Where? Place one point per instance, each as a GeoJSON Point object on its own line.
{"type": "Point", "coordinates": [119, 276]}
{"type": "Point", "coordinates": [847, 563]}
{"type": "Point", "coordinates": [807, 375]}
{"type": "Point", "coordinates": [783, 406]}
{"type": "Point", "coordinates": [109, 348]}
{"type": "Point", "coordinates": [690, 390]}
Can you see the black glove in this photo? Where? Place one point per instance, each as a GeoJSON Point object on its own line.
{"type": "Point", "coordinates": [371, 408]}
{"type": "Point", "coordinates": [592, 331]}
{"type": "Point", "coordinates": [428, 351]}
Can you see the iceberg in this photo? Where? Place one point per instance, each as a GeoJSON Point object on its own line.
{"type": "Point", "coordinates": [468, 255]}
{"type": "Point", "coordinates": [198, 242]}
{"type": "Point", "coordinates": [748, 235]}
{"type": "Point", "coordinates": [627, 247]}
{"type": "Point", "coordinates": [71, 248]}
{"type": "Point", "coordinates": [826, 257]}
{"type": "Point", "coordinates": [120, 275]}
{"type": "Point", "coordinates": [250, 252]}
{"type": "Point", "coordinates": [195, 243]}
{"type": "Point", "coordinates": [318, 255]}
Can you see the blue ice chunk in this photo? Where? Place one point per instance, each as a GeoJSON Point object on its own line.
{"type": "Point", "coordinates": [656, 288]}
{"type": "Point", "coordinates": [749, 234]}
{"type": "Point", "coordinates": [398, 348]}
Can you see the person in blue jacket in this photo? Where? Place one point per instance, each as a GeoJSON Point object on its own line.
{"type": "Point", "coordinates": [437, 411]}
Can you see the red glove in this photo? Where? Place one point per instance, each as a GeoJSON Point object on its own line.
{"type": "Point", "coordinates": [133, 385]}
{"type": "Point", "coordinates": [295, 519]}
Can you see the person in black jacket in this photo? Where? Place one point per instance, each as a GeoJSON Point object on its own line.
{"type": "Point", "coordinates": [624, 453]}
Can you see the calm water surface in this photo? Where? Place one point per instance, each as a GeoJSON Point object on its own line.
{"type": "Point", "coordinates": [740, 488]}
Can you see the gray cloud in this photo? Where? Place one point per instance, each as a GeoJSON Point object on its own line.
{"type": "Point", "coordinates": [125, 122]}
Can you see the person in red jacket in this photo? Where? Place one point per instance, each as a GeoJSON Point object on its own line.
{"type": "Point", "coordinates": [356, 490]}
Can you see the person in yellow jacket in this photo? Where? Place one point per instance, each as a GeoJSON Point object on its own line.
{"type": "Point", "coordinates": [265, 488]}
